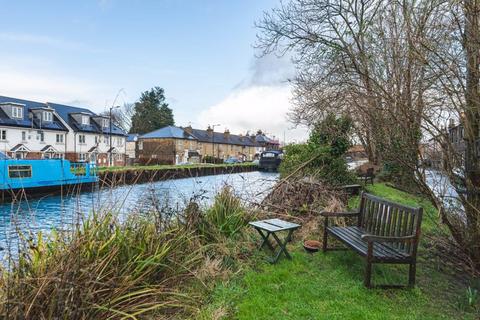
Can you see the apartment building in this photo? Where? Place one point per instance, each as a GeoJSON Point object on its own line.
{"type": "Point", "coordinates": [37, 130]}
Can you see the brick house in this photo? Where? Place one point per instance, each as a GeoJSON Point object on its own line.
{"type": "Point", "coordinates": [173, 145]}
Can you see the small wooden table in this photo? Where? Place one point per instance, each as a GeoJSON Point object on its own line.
{"type": "Point", "coordinates": [270, 227]}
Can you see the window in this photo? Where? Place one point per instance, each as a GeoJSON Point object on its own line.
{"type": "Point", "coordinates": [105, 139]}
{"type": "Point", "coordinates": [59, 138]}
{"type": "Point", "coordinates": [85, 120]}
{"type": "Point", "coordinates": [17, 112]}
{"type": "Point", "coordinates": [3, 135]}
{"type": "Point", "coordinates": [96, 139]}
{"type": "Point", "coordinates": [119, 142]}
{"type": "Point", "coordinates": [20, 171]}
{"type": "Point", "coordinates": [82, 156]}
{"type": "Point", "coordinates": [81, 138]}
{"type": "Point", "coordinates": [105, 123]}
{"type": "Point", "coordinates": [47, 116]}
{"type": "Point", "coordinates": [24, 136]}
{"type": "Point", "coordinates": [140, 145]}
{"type": "Point", "coordinates": [40, 136]}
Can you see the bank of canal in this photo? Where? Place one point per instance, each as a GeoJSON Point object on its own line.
{"type": "Point", "coordinates": [142, 174]}
{"type": "Point", "coordinates": [61, 212]}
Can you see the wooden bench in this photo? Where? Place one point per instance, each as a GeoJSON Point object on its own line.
{"type": "Point", "coordinates": [368, 175]}
{"type": "Point", "coordinates": [386, 232]}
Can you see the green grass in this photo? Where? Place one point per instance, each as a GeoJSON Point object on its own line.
{"type": "Point", "coordinates": [330, 286]}
{"type": "Point", "coordinates": [167, 167]}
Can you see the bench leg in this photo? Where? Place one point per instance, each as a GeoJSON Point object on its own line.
{"type": "Point", "coordinates": [411, 274]}
{"type": "Point", "coordinates": [368, 275]}
{"type": "Point", "coordinates": [368, 269]}
{"type": "Point", "coordinates": [325, 235]}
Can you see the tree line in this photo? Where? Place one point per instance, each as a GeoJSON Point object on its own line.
{"type": "Point", "coordinates": [400, 70]}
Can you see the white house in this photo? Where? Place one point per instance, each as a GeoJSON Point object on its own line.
{"type": "Point", "coordinates": [35, 130]}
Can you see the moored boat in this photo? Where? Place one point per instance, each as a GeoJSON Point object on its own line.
{"type": "Point", "coordinates": [38, 177]}
{"type": "Point", "coordinates": [270, 160]}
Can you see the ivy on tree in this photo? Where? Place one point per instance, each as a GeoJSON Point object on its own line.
{"type": "Point", "coordinates": [151, 112]}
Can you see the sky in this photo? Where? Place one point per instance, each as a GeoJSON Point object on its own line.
{"type": "Point", "coordinates": [85, 53]}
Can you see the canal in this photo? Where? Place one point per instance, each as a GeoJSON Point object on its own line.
{"type": "Point", "coordinates": [61, 213]}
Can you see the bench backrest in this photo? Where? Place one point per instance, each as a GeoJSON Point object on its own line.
{"type": "Point", "coordinates": [381, 217]}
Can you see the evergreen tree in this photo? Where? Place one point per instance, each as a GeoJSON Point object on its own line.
{"type": "Point", "coordinates": [151, 112]}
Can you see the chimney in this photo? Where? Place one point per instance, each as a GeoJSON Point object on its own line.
{"type": "Point", "coordinates": [210, 131]}
{"type": "Point", "coordinates": [226, 134]}
{"type": "Point", "coordinates": [240, 137]}
{"type": "Point", "coordinates": [188, 129]}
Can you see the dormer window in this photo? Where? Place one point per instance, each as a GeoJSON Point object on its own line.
{"type": "Point", "coordinates": [17, 112]}
{"type": "Point", "coordinates": [105, 123]}
{"type": "Point", "coordinates": [85, 120]}
{"type": "Point", "coordinates": [47, 116]}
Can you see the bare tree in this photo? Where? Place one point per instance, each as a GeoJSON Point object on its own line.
{"type": "Point", "coordinates": [402, 69]}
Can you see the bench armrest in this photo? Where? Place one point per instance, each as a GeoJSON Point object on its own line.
{"type": "Point", "coordinates": [327, 214]}
{"type": "Point", "coordinates": [373, 238]}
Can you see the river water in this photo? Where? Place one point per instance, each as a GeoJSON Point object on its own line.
{"type": "Point", "coordinates": [61, 213]}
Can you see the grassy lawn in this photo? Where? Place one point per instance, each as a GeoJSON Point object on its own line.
{"type": "Point", "coordinates": [166, 167]}
{"type": "Point", "coordinates": [330, 286]}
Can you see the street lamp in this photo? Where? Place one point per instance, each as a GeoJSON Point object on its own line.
{"type": "Point", "coordinates": [110, 123]}
{"type": "Point", "coordinates": [213, 142]}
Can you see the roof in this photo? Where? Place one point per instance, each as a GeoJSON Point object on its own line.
{"type": "Point", "coordinates": [19, 147]}
{"type": "Point", "coordinates": [132, 137]}
{"type": "Point", "coordinates": [62, 111]}
{"type": "Point", "coordinates": [49, 148]}
{"type": "Point", "coordinates": [220, 137]}
{"type": "Point", "coordinates": [167, 132]}
{"type": "Point", "coordinates": [174, 132]}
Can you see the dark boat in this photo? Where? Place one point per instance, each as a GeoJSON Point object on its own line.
{"type": "Point", "coordinates": [270, 160]}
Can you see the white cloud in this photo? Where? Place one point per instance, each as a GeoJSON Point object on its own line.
{"type": "Point", "coordinates": [42, 40]}
{"type": "Point", "coordinates": [261, 101]}
{"type": "Point", "coordinates": [43, 87]}
{"type": "Point", "coordinates": [253, 108]}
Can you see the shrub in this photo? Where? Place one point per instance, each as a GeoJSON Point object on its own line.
{"type": "Point", "coordinates": [323, 154]}
{"type": "Point", "coordinates": [227, 215]}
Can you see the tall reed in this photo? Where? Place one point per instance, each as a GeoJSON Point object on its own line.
{"type": "Point", "coordinates": [106, 269]}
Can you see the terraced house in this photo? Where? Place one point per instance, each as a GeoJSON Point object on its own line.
{"type": "Point", "coordinates": [173, 145]}
{"type": "Point", "coordinates": [36, 130]}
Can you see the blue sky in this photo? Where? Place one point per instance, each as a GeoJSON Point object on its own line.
{"type": "Point", "coordinates": [200, 52]}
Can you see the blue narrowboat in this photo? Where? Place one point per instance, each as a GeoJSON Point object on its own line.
{"type": "Point", "coordinates": [38, 177]}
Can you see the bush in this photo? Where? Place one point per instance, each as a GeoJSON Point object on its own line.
{"type": "Point", "coordinates": [323, 154]}
{"type": "Point", "coordinates": [227, 215]}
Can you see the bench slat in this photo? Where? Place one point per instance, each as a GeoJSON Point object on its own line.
{"type": "Point", "coordinates": [380, 250]}
{"type": "Point", "coordinates": [351, 236]}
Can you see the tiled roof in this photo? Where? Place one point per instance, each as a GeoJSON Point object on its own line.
{"type": "Point", "coordinates": [19, 146]}
{"type": "Point", "coordinates": [49, 148]}
{"type": "Point", "coordinates": [63, 111]}
{"type": "Point", "coordinates": [66, 111]}
{"type": "Point", "coordinates": [132, 137]}
{"type": "Point", "coordinates": [220, 137]}
{"type": "Point", "coordinates": [167, 132]}
{"type": "Point", "coordinates": [201, 135]}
